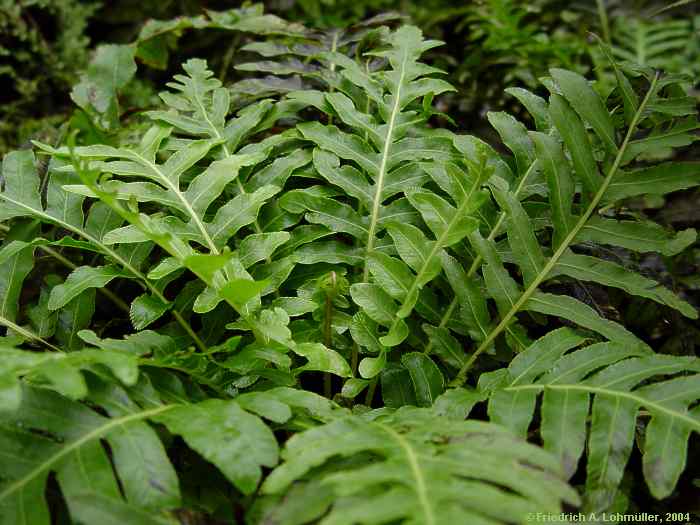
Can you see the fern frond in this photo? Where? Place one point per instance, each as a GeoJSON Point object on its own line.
{"type": "Point", "coordinates": [572, 105]}
{"type": "Point", "coordinates": [388, 146]}
{"type": "Point", "coordinates": [306, 59]}
{"type": "Point", "coordinates": [650, 43]}
{"type": "Point", "coordinates": [372, 157]}
{"type": "Point", "coordinates": [136, 482]}
{"type": "Point", "coordinates": [61, 371]}
{"type": "Point", "coordinates": [621, 381]}
{"type": "Point", "coordinates": [64, 210]}
{"type": "Point", "coordinates": [413, 467]}
{"type": "Point", "coordinates": [200, 108]}
{"type": "Point", "coordinates": [226, 280]}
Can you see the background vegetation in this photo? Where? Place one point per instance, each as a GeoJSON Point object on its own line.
{"type": "Point", "coordinates": [266, 314]}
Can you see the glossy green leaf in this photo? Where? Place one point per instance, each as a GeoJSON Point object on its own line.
{"type": "Point", "coordinates": [587, 104]}
{"type": "Point", "coordinates": [574, 135]}
{"type": "Point", "coordinates": [656, 180]}
{"type": "Point", "coordinates": [583, 315]}
{"type": "Point", "coordinates": [586, 268]}
{"type": "Point", "coordinates": [243, 445]}
{"type": "Point", "coordinates": [638, 236]}
{"type": "Point", "coordinates": [608, 372]}
{"type": "Point", "coordinates": [560, 183]}
{"type": "Point", "coordinates": [442, 218]}
{"type": "Point", "coordinates": [109, 71]}
{"type": "Point", "coordinates": [426, 377]}
{"type": "Point", "coordinates": [80, 280]}
{"type": "Point", "coordinates": [239, 291]}
{"type": "Point", "coordinates": [323, 359]}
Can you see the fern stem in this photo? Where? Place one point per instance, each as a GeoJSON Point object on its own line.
{"type": "Point", "coordinates": [542, 275]}
{"type": "Point", "coordinates": [370, 391]}
{"type": "Point", "coordinates": [72, 266]}
{"type": "Point", "coordinates": [71, 446]}
{"type": "Point", "coordinates": [354, 358]}
{"type": "Point", "coordinates": [145, 283]}
{"type": "Point", "coordinates": [421, 485]}
{"type": "Point", "coordinates": [81, 233]}
{"type": "Point", "coordinates": [376, 204]}
{"type": "Point", "coordinates": [327, 336]}
{"type": "Point", "coordinates": [604, 23]}
{"type": "Point", "coordinates": [476, 264]}
{"type": "Point", "coordinates": [27, 333]}
{"type": "Point", "coordinates": [374, 220]}
{"type": "Point", "coordinates": [193, 335]}
{"type": "Point", "coordinates": [355, 352]}
{"type": "Point", "coordinates": [176, 190]}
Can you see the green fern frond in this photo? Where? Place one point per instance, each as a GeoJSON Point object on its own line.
{"type": "Point", "coordinates": [411, 467]}
{"type": "Point", "coordinates": [573, 105]}
{"type": "Point", "coordinates": [650, 43]}
{"type": "Point", "coordinates": [625, 385]}
{"type": "Point", "coordinates": [64, 211]}
{"type": "Point", "coordinates": [373, 159]}
{"type": "Point", "coordinates": [185, 186]}
{"type": "Point", "coordinates": [50, 433]}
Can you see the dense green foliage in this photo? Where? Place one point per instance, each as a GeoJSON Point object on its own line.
{"type": "Point", "coordinates": [299, 291]}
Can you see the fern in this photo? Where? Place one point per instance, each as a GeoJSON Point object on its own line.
{"type": "Point", "coordinates": [61, 371]}
{"type": "Point", "coordinates": [406, 466]}
{"type": "Point", "coordinates": [111, 71]}
{"type": "Point", "coordinates": [572, 103]}
{"type": "Point", "coordinates": [64, 210]}
{"type": "Point", "coordinates": [250, 248]}
{"type": "Point", "coordinates": [617, 378]}
{"type": "Point", "coordinates": [383, 149]}
{"type": "Point", "coordinates": [143, 487]}
{"type": "Point", "coordinates": [654, 44]}
{"type": "Point", "coordinates": [384, 152]}
{"type": "Point", "coordinates": [305, 60]}
{"type": "Point", "coordinates": [224, 273]}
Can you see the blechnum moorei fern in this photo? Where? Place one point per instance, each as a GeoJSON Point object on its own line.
{"type": "Point", "coordinates": [339, 230]}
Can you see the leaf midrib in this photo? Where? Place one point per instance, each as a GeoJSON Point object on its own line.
{"type": "Point", "coordinates": [64, 451]}
{"type": "Point", "coordinates": [27, 333]}
{"type": "Point", "coordinates": [227, 153]}
{"type": "Point", "coordinates": [421, 487]}
{"type": "Point", "coordinates": [382, 168]}
{"type": "Point", "coordinates": [105, 249]}
{"type": "Point", "coordinates": [181, 197]}
{"type": "Point", "coordinates": [641, 401]}
{"type": "Point", "coordinates": [477, 261]}
{"type": "Point", "coordinates": [437, 246]}
{"type": "Point", "coordinates": [114, 255]}
{"type": "Point", "coordinates": [566, 242]}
